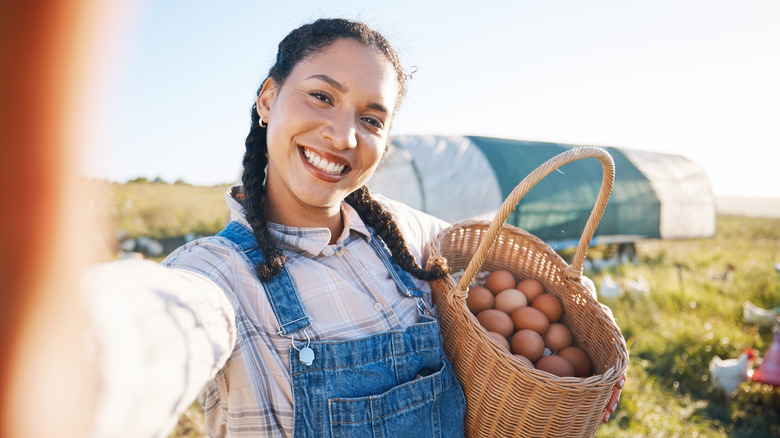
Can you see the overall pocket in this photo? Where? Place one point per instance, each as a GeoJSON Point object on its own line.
{"type": "Point", "coordinates": [412, 409]}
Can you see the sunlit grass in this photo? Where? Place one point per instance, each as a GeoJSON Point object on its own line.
{"type": "Point", "coordinates": [159, 210]}
{"type": "Point", "coordinates": [689, 317]}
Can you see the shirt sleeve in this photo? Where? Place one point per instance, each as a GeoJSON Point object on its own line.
{"type": "Point", "coordinates": [419, 228]}
{"type": "Point", "coordinates": [159, 336]}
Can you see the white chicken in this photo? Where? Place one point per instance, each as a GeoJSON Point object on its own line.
{"type": "Point", "coordinates": [727, 374]}
{"type": "Point", "coordinates": [753, 314]}
{"type": "Point", "coordinates": [610, 288]}
{"type": "Point", "coordinates": [638, 287]}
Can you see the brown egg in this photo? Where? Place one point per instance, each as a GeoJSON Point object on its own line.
{"type": "Point", "coordinates": [531, 288]}
{"type": "Point", "coordinates": [529, 318]}
{"type": "Point", "coordinates": [479, 299]}
{"type": "Point", "coordinates": [496, 321]}
{"type": "Point", "coordinates": [579, 360]}
{"type": "Point", "coordinates": [527, 343]}
{"type": "Point", "coordinates": [509, 300]}
{"type": "Point", "coordinates": [500, 339]}
{"type": "Point", "coordinates": [522, 358]}
{"type": "Point", "coordinates": [558, 337]}
{"type": "Point", "coordinates": [550, 305]}
{"type": "Point", "coordinates": [555, 365]}
{"type": "Point", "coordinates": [500, 280]}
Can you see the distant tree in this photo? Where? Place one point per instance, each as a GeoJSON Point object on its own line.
{"type": "Point", "coordinates": [158, 180]}
{"type": "Point", "coordinates": [140, 179]}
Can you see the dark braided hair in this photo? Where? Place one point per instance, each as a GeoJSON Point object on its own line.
{"type": "Point", "coordinates": [375, 215]}
{"type": "Point", "coordinates": [300, 44]}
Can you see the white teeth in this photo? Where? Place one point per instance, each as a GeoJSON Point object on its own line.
{"type": "Point", "coordinates": [321, 163]}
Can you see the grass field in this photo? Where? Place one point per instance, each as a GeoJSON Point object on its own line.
{"type": "Point", "coordinates": [164, 210]}
{"type": "Point", "coordinates": [688, 317]}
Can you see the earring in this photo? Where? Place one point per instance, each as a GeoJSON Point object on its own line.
{"type": "Point", "coordinates": [262, 123]}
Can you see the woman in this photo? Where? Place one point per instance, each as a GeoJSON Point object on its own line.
{"type": "Point", "coordinates": [335, 338]}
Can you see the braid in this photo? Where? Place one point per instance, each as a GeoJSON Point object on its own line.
{"type": "Point", "coordinates": [255, 161]}
{"type": "Point", "coordinates": [375, 215]}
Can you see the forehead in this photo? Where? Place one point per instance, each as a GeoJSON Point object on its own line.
{"type": "Point", "coordinates": [361, 69]}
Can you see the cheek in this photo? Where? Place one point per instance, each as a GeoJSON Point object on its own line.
{"type": "Point", "coordinates": [277, 140]}
{"type": "Point", "coordinates": [374, 153]}
{"type": "Point", "coordinates": [377, 158]}
{"type": "Point", "coordinates": [371, 153]}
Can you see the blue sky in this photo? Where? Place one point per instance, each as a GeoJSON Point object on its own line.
{"type": "Point", "coordinates": [176, 79]}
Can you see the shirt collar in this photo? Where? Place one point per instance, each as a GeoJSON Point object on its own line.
{"type": "Point", "coordinates": [316, 240]}
{"type": "Point", "coordinates": [312, 240]}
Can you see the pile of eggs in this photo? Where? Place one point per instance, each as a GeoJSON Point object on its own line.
{"type": "Point", "coordinates": [524, 319]}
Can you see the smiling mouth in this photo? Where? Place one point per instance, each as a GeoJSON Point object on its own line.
{"type": "Point", "coordinates": [323, 164]}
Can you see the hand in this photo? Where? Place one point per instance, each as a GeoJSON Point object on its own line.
{"type": "Point", "coordinates": [613, 401]}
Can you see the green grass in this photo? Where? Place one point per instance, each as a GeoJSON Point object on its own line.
{"type": "Point", "coordinates": [672, 333]}
{"type": "Point", "coordinates": [163, 210]}
{"type": "Point", "coordinates": [687, 319]}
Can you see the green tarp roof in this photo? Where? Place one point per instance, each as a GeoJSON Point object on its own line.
{"type": "Point", "coordinates": [558, 206]}
{"type": "Point", "coordinates": [655, 195]}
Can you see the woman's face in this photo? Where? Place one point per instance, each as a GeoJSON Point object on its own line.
{"type": "Point", "coordinates": [327, 128]}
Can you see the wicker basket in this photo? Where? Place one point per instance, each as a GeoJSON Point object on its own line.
{"type": "Point", "coordinates": [504, 396]}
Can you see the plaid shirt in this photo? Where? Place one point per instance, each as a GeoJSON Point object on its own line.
{"type": "Point", "coordinates": [344, 288]}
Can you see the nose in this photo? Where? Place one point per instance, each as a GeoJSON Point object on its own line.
{"type": "Point", "coordinates": [341, 130]}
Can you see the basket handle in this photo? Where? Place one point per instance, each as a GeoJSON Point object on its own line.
{"type": "Point", "coordinates": [575, 270]}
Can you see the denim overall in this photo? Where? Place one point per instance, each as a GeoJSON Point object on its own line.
{"type": "Point", "coordinates": [391, 384]}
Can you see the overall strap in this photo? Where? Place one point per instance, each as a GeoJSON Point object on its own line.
{"type": "Point", "coordinates": [280, 290]}
{"type": "Point", "coordinates": [402, 278]}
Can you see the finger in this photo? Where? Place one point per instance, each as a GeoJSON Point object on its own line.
{"type": "Point", "coordinates": [616, 393]}
{"type": "Point", "coordinates": [613, 399]}
{"type": "Point", "coordinates": [611, 405]}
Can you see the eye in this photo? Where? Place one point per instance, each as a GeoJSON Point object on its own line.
{"type": "Point", "coordinates": [319, 95]}
{"type": "Point", "coordinates": [373, 121]}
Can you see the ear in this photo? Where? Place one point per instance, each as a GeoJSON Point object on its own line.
{"type": "Point", "coordinates": [266, 98]}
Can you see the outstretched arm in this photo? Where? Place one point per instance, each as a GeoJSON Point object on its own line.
{"type": "Point", "coordinates": [159, 335]}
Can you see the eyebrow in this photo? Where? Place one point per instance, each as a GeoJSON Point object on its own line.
{"type": "Point", "coordinates": [332, 82]}
{"type": "Point", "coordinates": [343, 89]}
